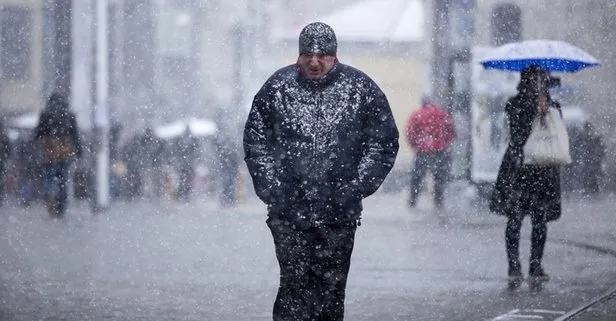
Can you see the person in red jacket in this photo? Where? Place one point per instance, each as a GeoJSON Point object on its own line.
{"type": "Point", "coordinates": [430, 131]}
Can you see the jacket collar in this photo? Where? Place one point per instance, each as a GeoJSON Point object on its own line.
{"type": "Point", "coordinates": [327, 80]}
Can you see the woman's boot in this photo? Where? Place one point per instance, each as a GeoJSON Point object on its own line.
{"type": "Point", "coordinates": [536, 275]}
{"type": "Point", "coordinates": [515, 274]}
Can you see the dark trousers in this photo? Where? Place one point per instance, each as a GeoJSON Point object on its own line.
{"type": "Point", "coordinates": [538, 238]}
{"type": "Point", "coordinates": [55, 180]}
{"type": "Point", "coordinates": [229, 176]}
{"type": "Point", "coordinates": [314, 265]}
{"type": "Point", "coordinates": [186, 182]}
{"type": "Point", "coordinates": [438, 164]}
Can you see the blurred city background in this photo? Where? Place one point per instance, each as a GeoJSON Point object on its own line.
{"type": "Point", "coordinates": [161, 90]}
{"type": "Point", "coordinates": [160, 65]}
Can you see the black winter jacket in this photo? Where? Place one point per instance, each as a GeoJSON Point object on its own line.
{"type": "Point", "coordinates": [314, 149]}
{"type": "Point", "coordinates": [58, 121]}
{"type": "Point", "coordinates": [538, 186]}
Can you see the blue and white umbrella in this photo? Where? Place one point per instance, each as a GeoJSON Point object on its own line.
{"type": "Point", "coordinates": [551, 55]}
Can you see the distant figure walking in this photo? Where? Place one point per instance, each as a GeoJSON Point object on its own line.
{"type": "Point", "coordinates": [430, 131]}
{"type": "Point", "coordinates": [58, 133]}
{"type": "Point", "coordinates": [5, 150]}
{"type": "Point", "coordinates": [228, 152]}
{"type": "Point", "coordinates": [188, 152]}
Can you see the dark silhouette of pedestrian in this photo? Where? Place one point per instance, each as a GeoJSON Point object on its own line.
{"type": "Point", "coordinates": [58, 133]}
{"type": "Point", "coordinates": [151, 160]}
{"type": "Point", "coordinates": [522, 190]}
{"type": "Point", "coordinates": [187, 153]}
{"type": "Point", "coordinates": [595, 153]}
{"type": "Point", "coordinates": [227, 151]}
{"type": "Point", "coordinates": [5, 153]}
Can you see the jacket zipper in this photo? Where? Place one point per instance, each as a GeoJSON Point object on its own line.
{"type": "Point", "coordinates": [319, 118]}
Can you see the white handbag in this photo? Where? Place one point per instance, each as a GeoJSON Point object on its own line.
{"type": "Point", "coordinates": [548, 143]}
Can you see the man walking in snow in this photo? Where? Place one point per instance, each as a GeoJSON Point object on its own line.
{"type": "Point", "coordinates": [430, 131]}
{"type": "Point", "coordinates": [319, 138]}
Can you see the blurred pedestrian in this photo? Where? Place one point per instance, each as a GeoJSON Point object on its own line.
{"type": "Point", "coordinates": [5, 151]}
{"type": "Point", "coordinates": [227, 149]}
{"type": "Point", "coordinates": [57, 131]}
{"type": "Point", "coordinates": [30, 161]}
{"type": "Point", "coordinates": [187, 153]}
{"type": "Point", "coordinates": [151, 161]}
{"type": "Point", "coordinates": [133, 179]}
{"type": "Point", "coordinates": [595, 153]}
{"type": "Point", "coordinates": [430, 130]}
{"type": "Point", "coordinates": [573, 175]}
{"type": "Point", "coordinates": [319, 138]}
{"type": "Point", "coordinates": [522, 190]}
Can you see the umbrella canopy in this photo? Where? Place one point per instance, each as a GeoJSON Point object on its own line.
{"type": "Point", "coordinates": [551, 55]}
{"type": "Point", "coordinates": [197, 127]}
{"type": "Point", "coordinates": [26, 121]}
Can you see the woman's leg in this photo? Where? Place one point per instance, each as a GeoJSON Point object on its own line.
{"type": "Point", "coordinates": [538, 238]}
{"type": "Point", "coordinates": [417, 176]}
{"type": "Point", "coordinates": [512, 243]}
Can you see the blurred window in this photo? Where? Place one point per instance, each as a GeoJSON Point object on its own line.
{"type": "Point", "coordinates": [15, 41]}
{"type": "Point", "coordinates": [506, 24]}
{"type": "Point", "coordinates": [174, 33]}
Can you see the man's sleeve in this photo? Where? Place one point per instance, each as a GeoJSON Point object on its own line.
{"type": "Point", "coordinates": [258, 150]}
{"type": "Point", "coordinates": [6, 147]}
{"type": "Point", "coordinates": [412, 130]}
{"type": "Point", "coordinates": [380, 144]}
{"type": "Point", "coordinates": [75, 136]}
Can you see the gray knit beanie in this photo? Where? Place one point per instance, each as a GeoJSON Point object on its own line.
{"type": "Point", "coordinates": [318, 38]}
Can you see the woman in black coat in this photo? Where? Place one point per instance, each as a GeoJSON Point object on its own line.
{"type": "Point", "coordinates": [522, 190]}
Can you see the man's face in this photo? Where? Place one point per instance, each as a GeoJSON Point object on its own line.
{"type": "Point", "coordinates": [315, 67]}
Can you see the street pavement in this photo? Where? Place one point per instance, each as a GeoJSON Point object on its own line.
{"type": "Point", "coordinates": [164, 260]}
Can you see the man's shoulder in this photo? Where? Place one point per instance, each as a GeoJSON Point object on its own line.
{"type": "Point", "coordinates": [359, 80]}
{"type": "Point", "coordinates": [277, 80]}
{"type": "Point", "coordinates": [282, 75]}
{"type": "Point", "coordinates": [432, 111]}
{"type": "Point", "coordinates": [355, 73]}
{"type": "Point", "coordinates": [418, 114]}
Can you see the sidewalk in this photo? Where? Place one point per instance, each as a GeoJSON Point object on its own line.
{"type": "Point", "coordinates": [600, 308]}
{"type": "Point", "coordinates": [581, 245]}
{"type": "Point", "coordinates": [405, 263]}
{"type": "Point", "coordinates": [462, 243]}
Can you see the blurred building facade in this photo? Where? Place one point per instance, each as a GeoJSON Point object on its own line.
{"type": "Point", "coordinates": [205, 56]}
{"type": "Point", "coordinates": [237, 56]}
{"type": "Point", "coordinates": [167, 58]}
{"type": "Point", "coordinates": [21, 55]}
